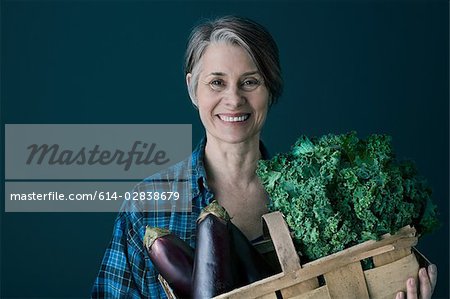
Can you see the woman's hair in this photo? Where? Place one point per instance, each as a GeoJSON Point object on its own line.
{"type": "Point", "coordinates": [249, 35]}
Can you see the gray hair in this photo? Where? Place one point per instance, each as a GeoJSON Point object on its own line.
{"type": "Point", "coordinates": [249, 35]}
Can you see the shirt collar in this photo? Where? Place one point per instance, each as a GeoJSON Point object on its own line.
{"type": "Point", "coordinates": [198, 166]}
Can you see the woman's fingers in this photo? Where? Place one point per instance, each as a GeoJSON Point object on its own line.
{"type": "Point", "coordinates": [427, 280]}
{"type": "Point", "coordinates": [400, 295]}
{"type": "Point", "coordinates": [432, 273]}
{"type": "Point", "coordinates": [411, 289]}
{"type": "Point", "coordinates": [425, 284]}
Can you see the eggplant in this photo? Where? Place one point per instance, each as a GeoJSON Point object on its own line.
{"type": "Point", "coordinates": [172, 257]}
{"type": "Point", "coordinates": [252, 265]}
{"type": "Point", "coordinates": [214, 271]}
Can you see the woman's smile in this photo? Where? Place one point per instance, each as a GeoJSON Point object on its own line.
{"type": "Point", "coordinates": [233, 117]}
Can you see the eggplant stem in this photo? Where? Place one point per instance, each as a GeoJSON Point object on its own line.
{"type": "Point", "coordinates": [153, 233]}
{"type": "Point", "coordinates": [215, 209]}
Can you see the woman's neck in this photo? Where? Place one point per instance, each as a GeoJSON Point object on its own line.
{"type": "Point", "coordinates": [231, 163]}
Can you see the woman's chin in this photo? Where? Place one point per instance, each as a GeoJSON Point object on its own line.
{"type": "Point", "coordinates": [236, 138]}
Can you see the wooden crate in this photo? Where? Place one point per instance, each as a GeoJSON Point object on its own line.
{"type": "Point", "coordinates": [394, 258]}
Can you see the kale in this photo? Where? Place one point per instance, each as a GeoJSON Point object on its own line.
{"type": "Point", "coordinates": [338, 190]}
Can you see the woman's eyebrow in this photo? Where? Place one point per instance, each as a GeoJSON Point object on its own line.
{"type": "Point", "coordinates": [251, 73]}
{"type": "Point", "coordinates": [244, 74]}
{"type": "Point", "coordinates": [216, 74]}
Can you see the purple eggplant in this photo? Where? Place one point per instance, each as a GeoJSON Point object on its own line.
{"type": "Point", "coordinates": [172, 257]}
{"type": "Point", "coordinates": [214, 270]}
{"type": "Point", "coordinates": [252, 265]}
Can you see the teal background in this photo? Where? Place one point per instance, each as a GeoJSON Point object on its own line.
{"type": "Point", "coordinates": [373, 67]}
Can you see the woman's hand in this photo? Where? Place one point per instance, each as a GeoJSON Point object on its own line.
{"type": "Point", "coordinates": [427, 282]}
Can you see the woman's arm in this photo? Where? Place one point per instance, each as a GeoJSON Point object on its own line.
{"type": "Point", "coordinates": [124, 272]}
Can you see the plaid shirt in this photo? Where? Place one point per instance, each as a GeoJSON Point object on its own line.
{"type": "Point", "coordinates": [126, 270]}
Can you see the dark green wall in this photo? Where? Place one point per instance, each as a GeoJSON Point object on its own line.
{"type": "Point", "coordinates": [373, 67]}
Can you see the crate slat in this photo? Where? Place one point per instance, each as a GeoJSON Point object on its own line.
{"type": "Point", "coordinates": [347, 282]}
{"type": "Point", "coordinates": [300, 288]}
{"type": "Point", "coordinates": [319, 293]}
{"type": "Point", "coordinates": [269, 296]}
{"type": "Point", "coordinates": [404, 239]}
{"type": "Point", "coordinates": [281, 238]}
{"type": "Point", "coordinates": [385, 281]}
{"type": "Point", "coordinates": [389, 257]}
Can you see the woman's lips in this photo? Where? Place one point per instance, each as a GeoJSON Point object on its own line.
{"type": "Point", "coordinates": [235, 117]}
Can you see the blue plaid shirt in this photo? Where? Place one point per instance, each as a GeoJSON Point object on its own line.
{"type": "Point", "coordinates": [126, 270]}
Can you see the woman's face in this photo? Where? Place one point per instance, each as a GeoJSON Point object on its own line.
{"type": "Point", "coordinates": [231, 96]}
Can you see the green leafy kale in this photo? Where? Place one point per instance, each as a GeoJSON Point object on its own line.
{"type": "Point", "coordinates": [338, 190]}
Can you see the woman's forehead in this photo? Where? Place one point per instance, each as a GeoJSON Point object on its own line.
{"type": "Point", "coordinates": [225, 59]}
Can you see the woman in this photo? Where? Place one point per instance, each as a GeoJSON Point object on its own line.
{"type": "Point", "coordinates": [233, 76]}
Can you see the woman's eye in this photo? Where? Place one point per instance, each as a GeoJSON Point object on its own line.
{"type": "Point", "coordinates": [250, 84]}
{"type": "Point", "coordinates": [216, 82]}
{"type": "Point", "coordinates": [217, 85]}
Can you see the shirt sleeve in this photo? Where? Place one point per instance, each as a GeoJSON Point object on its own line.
{"type": "Point", "coordinates": [125, 272]}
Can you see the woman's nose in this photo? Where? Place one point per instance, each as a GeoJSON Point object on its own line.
{"type": "Point", "coordinates": [234, 97]}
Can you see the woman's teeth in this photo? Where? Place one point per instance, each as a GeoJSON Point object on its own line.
{"type": "Point", "coordinates": [234, 118]}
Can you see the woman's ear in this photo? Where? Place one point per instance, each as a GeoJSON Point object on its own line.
{"type": "Point", "coordinates": [188, 79]}
{"type": "Point", "coordinates": [189, 88]}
